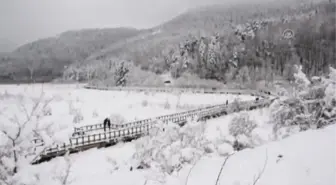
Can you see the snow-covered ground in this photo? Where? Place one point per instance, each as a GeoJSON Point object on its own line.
{"type": "Point", "coordinates": [307, 158]}
{"type": "Point", "coordinates": [72, 106]}
{"type": "Point", "coordinates": [95, 105]}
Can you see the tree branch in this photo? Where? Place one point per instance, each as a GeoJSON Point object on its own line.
{"type": "Point", "coordinates": [187, 180]}
{"type": "Point", "coordinates": [256, 179]}
{"type": "Point", "coordinates": [220, 172]}
{"type": "Point", "coordinates": [64, 178]}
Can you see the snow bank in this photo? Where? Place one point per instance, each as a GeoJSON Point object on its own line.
{"type": "Point", "coordinates": [307, 158]}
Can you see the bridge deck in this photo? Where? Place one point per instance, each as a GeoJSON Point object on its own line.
{"type": "Point", "coordinates": [95, 136]}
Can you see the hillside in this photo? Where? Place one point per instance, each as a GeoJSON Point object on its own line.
{"type": "Point", "coordinates": [204, 21]}
{"type": "Point", "coordinates": [205, 42]}
{"type": "Point", "coordinates": [202, 42]}
{"type": "Point", "coordinates": [46, 58]}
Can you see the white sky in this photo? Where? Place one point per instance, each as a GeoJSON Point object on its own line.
{"type": "Point", "coordinates": [23, 21]}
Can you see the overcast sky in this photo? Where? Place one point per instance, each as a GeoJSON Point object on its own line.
{"type": "Point", "coordinates": [22, 21]}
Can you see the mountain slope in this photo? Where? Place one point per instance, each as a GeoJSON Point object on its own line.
{"type": "Point", "coordinates": [177, 41]}
{"type": "Point", "coordinates": [152, 49]}
{"type": "Point", "coordinates": [49, 56]}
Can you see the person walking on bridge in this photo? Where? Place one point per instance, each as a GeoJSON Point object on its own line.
{"type": "Point", "coordinates": [107, 123]}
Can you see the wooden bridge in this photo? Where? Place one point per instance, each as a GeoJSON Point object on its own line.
{"type": "Point", "coordinates": [91, 136]}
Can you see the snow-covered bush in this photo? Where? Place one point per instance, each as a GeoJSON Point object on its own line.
{"type": "Point", "coordinates": [72, 109]}
{"type": "Point", "coordinates": [301, 79]}
{"type": "Point", "coordinates": [113, 163]}
{"type": "Point", "coordinates": [330, 83]}
{"type": "Point", "coordinates": [225, 149]}
{"type": "Point", "coordinates": [78, 117]}
{"type": "Point", "coordinates": [312, 107]}
{"type": "Point", "coordinates": [235, 105]}
{"type": "Point", "coordinates": [242, 125]}
{"type": "Point", "coordinates": [95, 114]}
{"type": "Point", "coordinates": [117, 119]}
{"type": "Point", "coordinates": [144, 103]}
{"type": "Point", "coordinates": [47, 111]}
{"type": "Point", "coordinates": [168, 147]}
{"type": "Point", "coordinates": [166, 105]}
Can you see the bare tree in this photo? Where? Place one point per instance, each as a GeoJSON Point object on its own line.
{"type": "Point", "coordinates": [221, 169]}
{"type": "Point", "coordinates": [33, 64]}
{"type": "Point", "coordinates": [17, 132]}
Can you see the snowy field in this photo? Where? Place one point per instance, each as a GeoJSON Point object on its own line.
{"type": "Point", "coordinates": [307, 158]}
{"type": "Point", "coordinates": [96, 105]}
{"type": "Point", "coordinates": [196, 151]}
{"type": "Point", "coordinates": [67, 106]}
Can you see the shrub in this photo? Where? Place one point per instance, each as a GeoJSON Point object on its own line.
{"type": "Point", "coordinates": [144, 103]}
{"type": "Point", "coordinates": [166, 105]}
{"type": "Point", "coordinates": [95, 114]}
{"type": "Point", "coordinates": [242, 125]}
{"type": "Point", "coordinates": [312, 107]}
{"type": "Point", "coordinates": [47, 111]}
{"type": "Point", "coordinates": [168, 147]}
{"type": "Point", "coordinates": [78, 117]}
{"type": "Point", "coordinates": [117, 119]}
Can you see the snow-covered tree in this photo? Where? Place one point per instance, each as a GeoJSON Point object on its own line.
{"type": "Point", "coordinates": [17, 131]}
{"type": "Point", "coordinates": [168, 147]}
{"type": "Point", "coordinates": [312, 107]}
{"type": "Point", "coordinates": [243, 76]}
{"type": "Point", "coordinates": [242, 125]}
{"type": "Point", "coordinates": [330, 90]}
{"type": "Point", "coordinates": [301, 79]}
{"type": "Point", "coordinates": [120, 73]}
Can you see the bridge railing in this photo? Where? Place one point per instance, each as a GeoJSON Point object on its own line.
{"type": "Point", "coordinates": [140, 129]}
{"type": "Point", "coordinates": [100, 126]}
{"type": "Point", "coordinates": [174, 117]}
{"type": "Point", "coordinates": [90, 141]}
{"type": "Point", "coordinates": [110, 135]}
{"type": "Point", "coordinates": [113, 135]}
{"type": "Point", "coordinates": [78, 142]}
{"type": "Point", "coordinates": [170, 117]}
